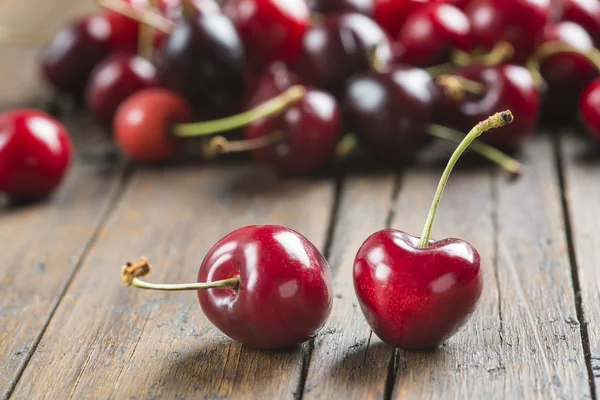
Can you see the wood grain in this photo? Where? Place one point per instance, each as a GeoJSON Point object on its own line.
{"type": "Point", "coordinates": [582, 174]}
{"type": "Point", "coordinates": [129, 343]}
{"type": "Point", "coordinates": [348, 361]}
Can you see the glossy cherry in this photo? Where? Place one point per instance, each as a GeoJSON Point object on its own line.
{"type": "Point", "coordinates": [566, 74]}
{"type": "Point", "coordinates": [389, 110]}
{"type": "Point", "coordinates": [585, 13]}
{"type": "Point", "coordinates": [589, 108]}
{"type": "Point", "coordinates": [519, 22]}
{"type": "Point", "coordinates": [506, 87]}
{"type": "Point", "coordinates": [115, 79]}
{"type": "Point", "coordinates": [430, 34]}
{"type": "Point", "coordinates": [35, 154]}
{"type": "Point", "coordinates": [204, 60]}
{"type": "Point", "coordinates": [271, 29]}
{"type": "Point", "coordinates": [275, 79]}
{"type": "Point", "coordinates": [415, 292]}
{"type": "Point", "coordinates": [341, 46]}
{"type": "Point", "coordinates": [265, 286]}
{"type": "Point", "coordinates": [391, 14]}
{"type": "Point", "coordinates": [68, 60]}
{"type": "Point", "coordinates": [366, 7]}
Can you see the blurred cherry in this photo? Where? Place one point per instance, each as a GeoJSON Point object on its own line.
{"type": "Point", "coordinates": [365, 7]}
{"type": "Point", "coordinates": [589, 108]}
{"type": "Point", "coordinates": [585, 13]}
{"type": "Point", "coordinates": [391, 14]}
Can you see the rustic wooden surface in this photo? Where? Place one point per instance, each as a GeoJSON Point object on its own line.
{"type": "Point", "coordinates": [68, 329]}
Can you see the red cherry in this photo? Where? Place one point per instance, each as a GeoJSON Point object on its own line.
{"type": "Point", "coordinates": [506, 87]}
{"type": "Point", "coordinates": [585, 13]}
{"type": "Point", "coordinates": [68, 60]}
{"type": "Point", "coordinates": [340, 47]}
{"type": "Point", "coordinates": [432, 32]}
{"type": "Point", "coordinates": [271, 29]}
{"type": "Point", "coordinates": [273, 81]}
{"type": "Point", "coordinates": [115, 79]}
{"type": "Point", "coordinates": [416, 298]}
{"type": "Point", "coordinates": [285, 287]}
{"type": "Point", "coordinates": [589, 108]}
{"type": "Point", "coordinates": [462, 4]}
{"type": "Point", "coordinates": [142, 124]}
{"type": "Point", "coordinates": [311, 129]}
{"type": "Point", "coordinates": [35, 153]}
{"type": "Point", "coordinates": [519, 22]}
{"type": "Point", "coordinates": [566, 74]}
{"type": "Point", "coordinates": [366, 7]}
{"type": "Point", "coordinates": [125, 31]}
{"type": "Point", "coordinates": [391, 14]}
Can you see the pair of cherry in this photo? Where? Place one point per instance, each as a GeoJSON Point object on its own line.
{"type": "Point", "coordinates": [270, 288]}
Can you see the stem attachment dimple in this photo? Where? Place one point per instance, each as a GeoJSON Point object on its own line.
{"type": "Point", "coordinates": [495, 121]}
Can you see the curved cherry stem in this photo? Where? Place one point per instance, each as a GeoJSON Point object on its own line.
{"type": "Point", "coordinates": [550, 49]}
{"type": "Point", "coordinates": [495, 121]}
{"type": "Point", "coordinates": [145, 36]}
{"type": "Point", "coordinates": [271, 107]}
{"type": "Point", "coordinates": [501, 52]}
{"type": "Point", "coordinates": [143, 15]}
{"type": "Point", "coordinates": [220, 145]}
{"type": "Point", "coordinates": [505, 161]}
{"type": "Point", "coordinates": [131, 272]}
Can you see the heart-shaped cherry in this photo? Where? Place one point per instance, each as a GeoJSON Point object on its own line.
{"type": "Point", "coordinates": [585, 13]}
{"type": "Point", "coordinates": [589, 108]}
{"type": "Point", "coordinates": [68, 60]}
{"type": "Point", "coordinates": [115, 79]}
{"type": "Point", "coordinates": [366, 7]}
{"type": "Point", "coordinates": [266, 286]}
{"type": "Point", "coordinates": [35, 154]}
{"type": "Point", "coordinates": [416, 293]}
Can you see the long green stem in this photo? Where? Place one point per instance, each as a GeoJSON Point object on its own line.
{"type": "Point", "coordinates": [491, 153]}
{"type": "Point", "coordinates": [231, 283]}
{"type": "Point", "coordinates": [272, 107]}
{"type": "Point", "coordinates": [495, 121]}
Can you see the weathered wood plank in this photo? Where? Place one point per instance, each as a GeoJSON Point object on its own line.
{"type": "Point", "coordinates": [130, 343]}
{"type": "Point", "coordinates": [582, 174]}
{"type": "Point", "coordinates": [347, 361]}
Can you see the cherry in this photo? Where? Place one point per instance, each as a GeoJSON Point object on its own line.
{"type": "Point", "coordinates": [589, 108]}
{"type": "Point", "coordinates": [271, 29]}
{"type": "Point", "coordinates": [115, 79]}
{"type": "Point", "coordinates": [125, 31]}
{"type": "Point", "coordinates": [585, 13]}
{"type": "Point", "coordinates": [68, 60]}
{"type": "Point", "coordinates": [506, 87]}
{"type": "Point", "coordinates": [341, 46]}
{"type": "Point", "coordinates": [416, 293]}
{"type": "Point", "coordinates": [204, 60]}
{"type": "Point", "coordinates": [566, 74]}
{"type": "Point", "coordinates": [389, 110]}
{"type": "Point", "coordinates": [432, 32]}
{"type": "Point", "coordinates": [365, 7]}
{"type": "Point", "coordinates": [266, 286]}
{"type": "Point", "coordinates": [391, 14]}
{"type": "Point", "coordinates": [519, 22]}
{"type": "Point", "coordinates": [274, 80]}
{"type": "Point", "coordinates": [462, 4]}
{"type": "Point", "coordinates": [35, 154]}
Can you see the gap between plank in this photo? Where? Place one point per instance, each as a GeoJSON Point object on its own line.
{"type": "Point", "coordinates": [496, 251]}
{"type": "Point", "coordinates": [123, 181]}
{"type": "Point", "coordinates": [585, 340]}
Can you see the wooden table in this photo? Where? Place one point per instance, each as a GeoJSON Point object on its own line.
{"type": "Point", "coordinates": [69, 329]}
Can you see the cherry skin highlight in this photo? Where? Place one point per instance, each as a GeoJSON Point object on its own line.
{"type": "Point", "coordinates": [35, 154]}
{"type": "Point", "coordinates": [589, 108]}
{"type": "Point", "coordinates": [585, 13]}
{"type": "Point", "coordinates": [285, 290]}
{"type": "Point", "coordinates": [115, 79]}
{"type": "Point", "coordinates": [416, 298]}
{"type": "Point", "coordinates": [142, 124]}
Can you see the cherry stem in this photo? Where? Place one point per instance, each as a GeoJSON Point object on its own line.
{"type": "Point", "coordinates": [491, 153]}
{"type": "Point", "coordinates": [456, 86]}
{"type": "Point", "coordinates": [272, 107]}
{"type": "Point", "coordinates": [346, 145]}
{"type": "Point", "coordinates": [501, 52]}
{"type": "Point", "coordinates": [145, 36]}
{"type": "Point", "coordinates": [375, 60]}
{"type": "Point", "coordinates": [220, 145]}
{"type": "Point", "coordinates": [131, 272]}
{"type": "Point", "coordinates": [143, 15]}
{"type": "Point", "coordinates": [495, 121]}
{"type": "Point", "coordinates": [550, 49]}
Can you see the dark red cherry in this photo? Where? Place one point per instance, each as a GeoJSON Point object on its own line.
{"type": "Point", "coordinates": [115, 79]}
{"type": "Point", "coordinates": [391, 14]}
{"type": "Point", "coordinates": [35, 154]}
{"type": "Point", "coordinates": [519, 22]}
{"type": "Point", "coordinates": [415, 298]}
{"type": "Point", "coordinates": [311, 129]}
{"type": "Point", "coordinates": [366, 7]}
{"type": "Point", "coordinates": [566, 74]}
{"type": "Point", "coordinates": [68, 60]}
{"type": "Point", "coordinates": [389, 111]}
{"type": "Point", "coordinates": [340, 47]}
{"type": "Point", "coordinates": [271, 29]}
{"type": "Point", "coordinates": [204, 60]}
{"type": "Point", "coordinates": [285, 289]}
{"type": "Point", "coordinates": [589, 108]}
{"type": "Point", "coordinates": [585, 13]}
{"type": "Point", "coordinates": [142, 124]}
{"type": "Point", "coordinates": [277, 78]}
{"type": "Point", "coordinates": [430, 34]}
